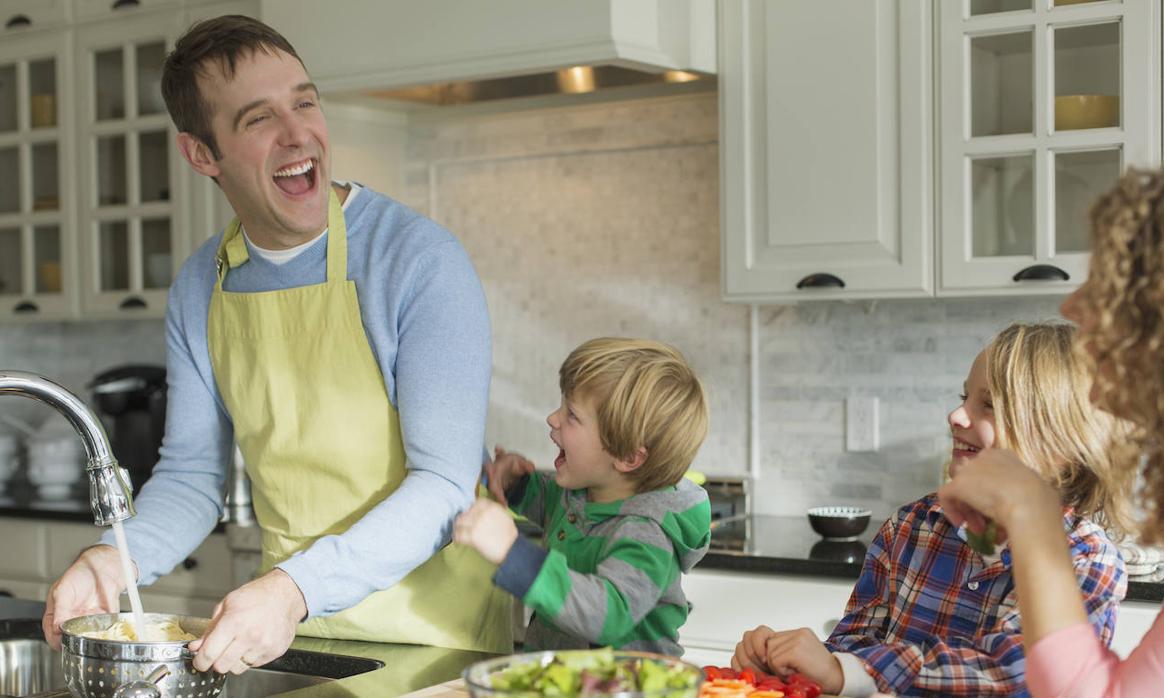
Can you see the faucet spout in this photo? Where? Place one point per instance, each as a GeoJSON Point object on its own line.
{"type": "Point", "coordinates": [109, 493]}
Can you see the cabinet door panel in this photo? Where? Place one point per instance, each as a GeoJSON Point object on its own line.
{"type": "Point", "coordinates": [825, 148]}
{"type": "Point", "coordinates": [22, 549]}
{"type": "Point", "coordinates": [725, 604]}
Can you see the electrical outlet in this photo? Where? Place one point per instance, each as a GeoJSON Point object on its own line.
{"type": "Point", "coordinates": [861, 427]}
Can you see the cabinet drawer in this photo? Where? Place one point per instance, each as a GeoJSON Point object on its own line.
{"type": "Point", "coordinates": [154, 602]}
{"type": "Point", "coordinates": [1134, 620]}
{"type": "Point", "coordinates": [725, 604]}
{"type": "Point", "coordinates": [39, 13]}
{"type": "Point", "coordinates": [66, 541]}
{"type": "Point", "coordinates": [36, 591]}
{"type": "Point", "coordinates": [97, 9]}
{"type": "Point", "coordinates": [206, 572]}
{"type": "Point", "coordinates": [22, 547]}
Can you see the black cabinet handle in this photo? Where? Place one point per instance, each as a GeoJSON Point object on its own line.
{"type": "Point", "coordinates": [820, 280]}
{"type": "Point", "coordinates": [133, 303]}
{"type": "Point", "coordinates": [189, 563]}
{"type": "Point", "coordinates": [1042, 272]}
{"type": "Point", "coordinates": [25, 307]}
{"type": "Point", "coordinates": [125, 3]}
{"type": "Point", "coordinates": [18, 21]}
{"type": "Point", "coordinates": [5, 592]}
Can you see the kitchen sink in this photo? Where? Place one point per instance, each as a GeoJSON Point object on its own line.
{"type": "Point", "coordinates": [28, 667]}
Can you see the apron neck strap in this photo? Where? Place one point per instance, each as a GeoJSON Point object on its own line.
{"type": "Point", "coordinates": [232, 251]}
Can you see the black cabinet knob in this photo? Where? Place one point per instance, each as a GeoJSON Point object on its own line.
{"type": "Point", "coordinates": [16, 21]}
{"type": "Point", "coordinates": [133, 303]}
{"type": "Point", "coordinates": [189, 563]}
{"type": "Point", "coordinates": [1042, 272]}
{"type": "Point", "coordinates": [820, 280]}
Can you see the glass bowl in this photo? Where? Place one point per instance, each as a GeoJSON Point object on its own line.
{"type": "Point", "coordinates": [479, 677]}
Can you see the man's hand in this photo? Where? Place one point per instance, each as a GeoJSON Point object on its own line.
{"type": "Point", "coordinates": [488, 527]}
{"type": "Point", "coordinates": [752, 651]}
{"type": "Point", "coordinates": [90, 585]}
{"type": "Point", "coordinates": [505, 470]}
{"type": "Point", "coordinates": [253, 625]}
{"type": "Point", "coordinates": [799, 651]}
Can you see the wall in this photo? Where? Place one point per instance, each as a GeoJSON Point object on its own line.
{"type": "Point", "coordinates": [603, 220]}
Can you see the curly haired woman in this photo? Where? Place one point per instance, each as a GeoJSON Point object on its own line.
{"type": "Point", "coordinates": [1120, 313]}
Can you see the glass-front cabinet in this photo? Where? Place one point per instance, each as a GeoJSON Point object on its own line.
{"type": "Point", "coordinates": [1042, 103]}
{"type": "Point", "coordinates": [131, 203]}
{"type": "Point", "coordinates": [36, 211]}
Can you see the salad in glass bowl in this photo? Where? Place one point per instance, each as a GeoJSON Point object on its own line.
{"type": "Point", "coordinates": [604, 673]}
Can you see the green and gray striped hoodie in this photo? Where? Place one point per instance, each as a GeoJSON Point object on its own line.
{"type": "Point", "coordinates": [610, 573]}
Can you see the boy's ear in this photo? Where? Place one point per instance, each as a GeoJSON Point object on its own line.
{"type": "Point", "coordinates": [198, 154]}
{"type": "Point", "coordinates": [626, 465]}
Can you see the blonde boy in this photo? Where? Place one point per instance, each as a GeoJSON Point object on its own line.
{"type": "Point", "coordinates": [621, 523]}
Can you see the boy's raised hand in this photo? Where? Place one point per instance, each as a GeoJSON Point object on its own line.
{"type": "Point", "coordinates": [800, 651]}
{"type": "Point", "coordinates": [488, 527]}
{"type": "Point", "coordinates": [505, 470]}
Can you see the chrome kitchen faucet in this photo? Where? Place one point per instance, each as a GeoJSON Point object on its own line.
{"type": "Point", "coordinates": [109, 492]}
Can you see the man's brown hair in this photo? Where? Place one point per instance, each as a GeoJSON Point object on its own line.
{"type": "Point", "coordinates": [221, 41]}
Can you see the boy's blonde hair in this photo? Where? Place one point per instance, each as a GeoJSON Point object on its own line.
{"type": "Point", "coordinates": [1040, 388]}
{"type": "Point", "coordinates": [645, 396]}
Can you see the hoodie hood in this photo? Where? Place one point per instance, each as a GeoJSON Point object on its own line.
{"type": "Point", "coordinates": [684, 514]}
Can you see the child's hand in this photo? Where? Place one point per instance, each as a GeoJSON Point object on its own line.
{"type": "Point", "coordinates": [752, 651]}
{"type": "Point", "coordinates": [799, 651]}
{"type": "Point", "coordinates": [997, 486]}
{"type": "Point", "coordinates": [504, 470]}
{"type": "Point", "coordinates": [488, 527]}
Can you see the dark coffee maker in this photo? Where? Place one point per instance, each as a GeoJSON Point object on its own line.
{"type": "Point", "coordinates": [132, 403]}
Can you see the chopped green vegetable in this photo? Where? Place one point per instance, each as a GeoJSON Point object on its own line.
{"type": "Point", "coordinates": [985, 542]}
{"type": "Point", "coordinates": [597, 672]}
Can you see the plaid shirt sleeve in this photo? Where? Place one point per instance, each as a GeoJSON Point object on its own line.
{"type": "Point", "coordinates": [991, 663]}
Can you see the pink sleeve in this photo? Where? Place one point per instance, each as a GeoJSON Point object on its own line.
{"type": "Point", "coordinates": [1073, 662]}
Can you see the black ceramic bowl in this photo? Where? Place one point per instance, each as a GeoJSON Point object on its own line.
{"type": "Point", "coordinates": [839, 523]}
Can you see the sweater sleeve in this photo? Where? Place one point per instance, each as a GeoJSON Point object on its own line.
{"type": "Point", "coordinates": [1073, 661]}
{"type": "Point", "coordinates": [637, 566]}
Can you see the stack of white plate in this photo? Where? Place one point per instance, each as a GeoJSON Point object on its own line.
{"type": "Point", "coordinates": [9, 458]}
{"type": "Point", "coordinates": [56, 460]}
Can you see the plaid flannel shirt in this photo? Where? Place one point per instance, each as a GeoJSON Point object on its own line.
{"type": "Point", "coordinates": [930, 616]}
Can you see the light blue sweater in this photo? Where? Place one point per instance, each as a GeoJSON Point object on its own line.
{"type": "Point", "coordinates": [425, 316]}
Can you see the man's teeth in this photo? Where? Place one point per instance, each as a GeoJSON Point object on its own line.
{"type": "Point", "coordinates": [299, 169]}
{"type": "Point", "coordinates": [963, 446]}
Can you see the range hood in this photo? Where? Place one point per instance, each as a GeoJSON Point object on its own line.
{"type": "Point", "coordinates": [440, 52]}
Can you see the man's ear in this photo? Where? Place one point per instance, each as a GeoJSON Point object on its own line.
{"type": "Point", "coordinates": [626, 465]}
{"type": "Point", "coordinates": [198, 154]}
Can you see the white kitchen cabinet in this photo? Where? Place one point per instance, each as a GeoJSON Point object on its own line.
{"type": "Point", "coordinates": [725, 604]}
{"type": "Point", "coordinates": [22, 589]}
{"type": "Point", "coordinates": [37, 210]}
{"type": "Point", "coordinates": [825, 149]}
{"type": "Point", "coordinates": [132, 215]}
{"type": "Point", "coordinates": [1017, 173]}
{"type": "Point", "coordinates": [402, 43]}
{"type": "Point", "coordinates": [17, 14]}
{"type": "Point", "coordinates": [1134, 620]}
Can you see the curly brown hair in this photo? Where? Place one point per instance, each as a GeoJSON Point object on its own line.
{"type": "Point", "coordinates": [1119, 310]}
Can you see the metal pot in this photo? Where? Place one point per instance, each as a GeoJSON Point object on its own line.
{"type": "Point", "coordinates": [97, 668]}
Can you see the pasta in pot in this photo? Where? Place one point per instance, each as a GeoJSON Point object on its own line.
{"type": "Point", "coordinates": [123, 631]}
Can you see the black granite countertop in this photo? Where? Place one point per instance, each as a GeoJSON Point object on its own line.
{"type": "Point", "coordinates": [788, 545]}
{"type": "Point", "coordinates": [20, 500]}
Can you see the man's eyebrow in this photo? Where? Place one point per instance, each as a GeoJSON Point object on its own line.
{"type": "Point", "coordinates": [301, 87]}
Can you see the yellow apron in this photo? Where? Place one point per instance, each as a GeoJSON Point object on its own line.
{"type": "Point", "coordinates": [322, 445]}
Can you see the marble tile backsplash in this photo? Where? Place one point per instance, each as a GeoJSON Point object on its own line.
{"type": "Point", "coordinates": [603, 220]}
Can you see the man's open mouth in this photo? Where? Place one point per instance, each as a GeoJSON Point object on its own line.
{"type": "Point", "coordinates": [296, 179]}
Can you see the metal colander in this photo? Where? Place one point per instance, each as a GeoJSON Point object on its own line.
{"type": "Point", "coordinates": [96, 668]}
